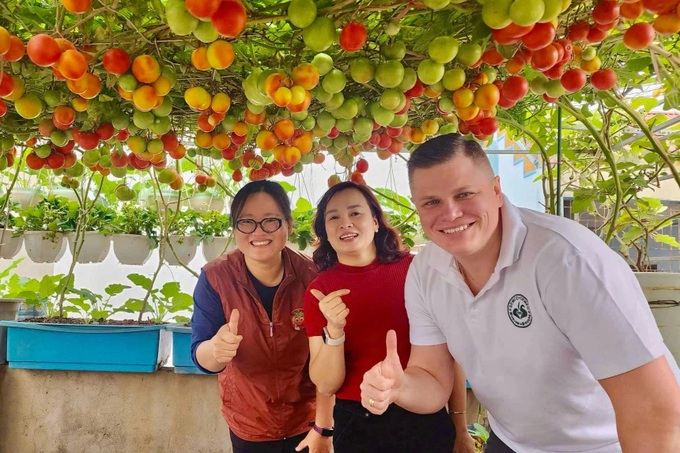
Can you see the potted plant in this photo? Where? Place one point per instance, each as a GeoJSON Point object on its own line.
{"type": "Point", "coordinates": [135, 234]}
{"type": "Point", "coordinates": [214, 229]}
{"type": "Point", "coordinates": [10, 244]}
{"type": "Point", "coordinates": [181, 241]}
{"type": "Point", "coordinates": [91, 241]}
{"type": "Point", "coordinates": [44, 225]}
{"type": "Point", "coordinates": [208, 201]}
{"type": "Point", "coordinates": [164, 304]}
{"type": "Point", "coordinates": [302, 237]}
{"type": "Point", "coordinates": [91, 342]}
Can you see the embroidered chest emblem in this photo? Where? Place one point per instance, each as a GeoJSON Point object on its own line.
{"type": "Point", "coordinates": [297, 317]}
{"type": "Point", "coordinates": [519, 311]}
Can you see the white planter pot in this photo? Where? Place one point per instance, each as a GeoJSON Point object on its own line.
{"type": "Point", "coordinates": [66, 193]}
{"type": "Point", "coordinates": [307, 250]}
{"type": "Point", "coordinates": [185, 248]}
{"type": "Point", "coordinates": [44, 247]}
{"type": "Point", "coordinates": [169, 196]}
{"type": "Point", "coordinates": [203, 202]}
{"type": "Point", "coordinates": [9, 246]}
{"type": "Point", "coordinates": [132, 249]}
{"type": "Point", "coordinates": [25, 196]}
{"type": "Point", "coordinates": [662, 290]}
{"type": "Point", "coordinates": [95, 247]}
{"type": "Point", "coordinates": [218, 246]}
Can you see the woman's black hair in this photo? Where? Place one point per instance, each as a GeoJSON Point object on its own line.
{"type": "Point", "coordinates": [387, 240]}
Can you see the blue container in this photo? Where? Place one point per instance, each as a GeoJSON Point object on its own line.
{"type": "Point", "coordinates": [181, 350]}
{"type": "Point", "coordinates": [91, 347]}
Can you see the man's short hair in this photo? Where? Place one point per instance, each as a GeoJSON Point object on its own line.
{"type": "Point", "coordinates": [442, 149]}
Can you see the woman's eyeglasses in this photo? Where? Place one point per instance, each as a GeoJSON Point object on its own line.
{"type": "Point", "coordinates": [268, 225]}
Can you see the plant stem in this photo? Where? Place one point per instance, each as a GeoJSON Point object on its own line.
{"type": "Point", "coordinates": [657, 147]}
{"type": "Point", "coordinates": [551, 195]}
{"type": "Point", "coordinates": [609, 157]}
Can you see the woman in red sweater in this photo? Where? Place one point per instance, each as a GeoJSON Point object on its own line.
{"type": "Point", "coordinates": [349, 308]}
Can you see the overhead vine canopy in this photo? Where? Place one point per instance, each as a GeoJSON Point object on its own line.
{"type": "Point", "coordinates": [267, 86]}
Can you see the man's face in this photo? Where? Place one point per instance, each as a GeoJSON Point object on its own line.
{"type": "Point", "coordinates": [458, 203]}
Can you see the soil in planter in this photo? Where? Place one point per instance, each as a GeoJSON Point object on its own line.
{"type": "Point", "coordinates": [100, 321]}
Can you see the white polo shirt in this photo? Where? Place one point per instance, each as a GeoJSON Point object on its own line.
{"type": "Point", "coordinates": [561, 311]}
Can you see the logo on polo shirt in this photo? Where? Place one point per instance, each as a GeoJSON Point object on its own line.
{"type": "Point", "coordinates": [519, 311]}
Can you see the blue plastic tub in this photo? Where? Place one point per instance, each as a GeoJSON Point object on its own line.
{"type": "Point", "coordinates": [38, 346]}
{"type": "Point", "coordinates": [181, 350]}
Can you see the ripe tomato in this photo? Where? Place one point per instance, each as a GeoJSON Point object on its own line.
{"type": "Point", "coordinates": [539, 37]}
{"type": "Point", "coordinates": [353, 37]}
{"type": "Point", "coordinates": [603, 79]}
{"type": "Point", "coordinates": [574, 79]}
{"type": "Point", "coordinates": [639, 36]}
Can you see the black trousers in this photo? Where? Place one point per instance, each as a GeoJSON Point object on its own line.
{"type": "Point", "coordinates": [286, 445]}
{"type": "Point", "coordinates": [397, 430]}
{"type": "Point", "coordinates": [495, 445]}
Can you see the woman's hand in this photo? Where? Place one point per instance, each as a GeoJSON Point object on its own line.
{"type": "Point", "coordinates": [226, 341]}
{"type": "Point", "coordinates": [315, 442]}
{"type": "Point", "coordinates": [334, 310]}
{"type": "Point", "coordinates": [464, 443]}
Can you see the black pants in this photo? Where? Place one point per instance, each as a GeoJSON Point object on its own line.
{"type": "Point", "coordinates": [397, 430]}
{"type": "Point", "coordinates": [495, 445]}
{"type": "Point", "coordinates": [286, 445]}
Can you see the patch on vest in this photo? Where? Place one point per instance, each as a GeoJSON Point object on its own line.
{"type": "Point", "coordinates": [519, 311]}
{"type": "Point", "coordinates": [297, 317]}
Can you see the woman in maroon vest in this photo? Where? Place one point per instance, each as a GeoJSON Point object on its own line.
{"type": "Point", "coordinates": [349, 308]}
{"type": "Point", "coordinates": [247, 326]}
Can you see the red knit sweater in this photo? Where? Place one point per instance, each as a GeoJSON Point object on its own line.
{"type": "Point", "coordinates": [376, 305]}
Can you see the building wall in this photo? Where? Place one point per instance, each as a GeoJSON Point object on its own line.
{"type": "Point", "coordinates": [74, 412]}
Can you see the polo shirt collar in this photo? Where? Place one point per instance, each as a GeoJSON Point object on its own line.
{"type": "Point", "coordinates": [514, 234]}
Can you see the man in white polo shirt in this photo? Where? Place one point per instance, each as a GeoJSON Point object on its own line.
{"type": "Point", "coordinates": [548, 323]}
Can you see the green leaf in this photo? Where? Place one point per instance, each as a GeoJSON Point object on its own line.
{"type": "Point", "coordinates": [140, 280]}
{"type": "Point", "coordinates": [647, 103]}
{"type": "Point", "coordinates": [170, 289]}
{"type": "Point", "coordinates": [115, 288]}
{"type": "Point", "coordinates": [288, 187]}
{"type": "Point", "coordinates": [668, 240]}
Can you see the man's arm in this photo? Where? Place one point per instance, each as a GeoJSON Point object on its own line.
{"type": "Point", "coordinates": [458, 412]}
{"type": "Point", "coordinates": [646, 402]}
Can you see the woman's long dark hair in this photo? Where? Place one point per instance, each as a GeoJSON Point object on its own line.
{"type": "Point", "coordinates": [387, 240]}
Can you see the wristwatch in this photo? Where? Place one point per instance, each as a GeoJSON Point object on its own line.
{"type": "Point", "coordinates": [325, 432]}
{"type": "Point", "coordinates": [331, 341]}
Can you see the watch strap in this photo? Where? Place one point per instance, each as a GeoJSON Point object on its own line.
{"type": "Point", "coordinates": [331, 341]}
{"type": "Point", "coordinates": [325, 432]}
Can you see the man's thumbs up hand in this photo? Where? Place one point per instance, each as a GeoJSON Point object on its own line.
{"type": "Point", "coordinates": [382, 383]}
{"type": "Point", "coordinates": [226, 341]}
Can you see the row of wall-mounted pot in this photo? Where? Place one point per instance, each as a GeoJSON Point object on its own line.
{"type": "Point", "coordinates": [131, 249]}
{"type": "Point", "coordinates": [200, 202]}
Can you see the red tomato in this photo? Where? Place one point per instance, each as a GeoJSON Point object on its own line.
{"type": "Point", "coordinates": [353, 37]}
{"type": "Point", "coordinates": [573, 80]}
{"type": "Point", "coordinates": [603, 79]}
{"type": "Point", "coordinates": [539, 37]}
{"type": "Point", "coordinates": [639, 36]}
{"type": "Point", "coordinates": [116, 61]}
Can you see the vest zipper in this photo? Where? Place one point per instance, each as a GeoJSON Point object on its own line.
{"type": "Point", "coordinates": [271, 329]}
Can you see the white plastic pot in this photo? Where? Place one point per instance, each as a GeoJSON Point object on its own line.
{"type": "Point", "coordinates": [95, 247]}
{"type": "Point", "coordinates": [184, 247]}
{"type": "Point", "coordinates": [44, 246]}
{"type": "Point", "coordinates": [132, 249]}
